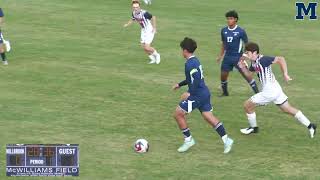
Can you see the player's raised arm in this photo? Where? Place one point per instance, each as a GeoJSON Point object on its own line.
{"type": "Point", "coordinates": [283, 66]}
{"type": "Point", "coordinates": [128, 23]}
{"type": "Point", "coordinates": [248, 72]}
{"type": "Point", "coordinates": [180, 84]}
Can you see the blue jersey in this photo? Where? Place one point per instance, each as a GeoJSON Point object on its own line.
{"type": "Point", "coordinates": [195, 78]}
{"type": "Point", "coordinates": [233, 40]}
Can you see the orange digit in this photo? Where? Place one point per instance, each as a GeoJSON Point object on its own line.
{"type": "Point", "coordinates": [36, 151]}
{"type": "Point", "coordinates": [17, 160]}
{"type": "Point", "coordinates": [51, 152]}
{"type": "Point", "coordinates": [30, 151]}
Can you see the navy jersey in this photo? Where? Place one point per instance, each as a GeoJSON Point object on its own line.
{"type": "Point", "coordinates": [143, 18]}
{"type": "Point", "coordinates": [1, 13]}
{"type": "Point", "coordinates": [195, 78]}
{"type": "Point", "coordinates": [262, 66]}
{"type": "Point", "coordinates": [233, 40]}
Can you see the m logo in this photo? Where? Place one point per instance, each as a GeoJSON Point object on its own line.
{"type": "Point", "coordinates": [310, 10]}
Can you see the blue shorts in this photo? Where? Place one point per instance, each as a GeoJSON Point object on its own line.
{"type": "Point", "coordinates": [229, 62]}
{"type": "Point", "coordinates": [193, 102]}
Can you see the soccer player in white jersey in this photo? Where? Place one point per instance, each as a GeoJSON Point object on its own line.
{"type": "Point", "coordinates": [148, 29]}
{"type": "Point", "coordinates": [271, 90]}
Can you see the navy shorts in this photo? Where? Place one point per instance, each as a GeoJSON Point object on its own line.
{"type": "Point", "coordinates": [229, 62]}
{"type": "Point", "coordinates": [193, 102]}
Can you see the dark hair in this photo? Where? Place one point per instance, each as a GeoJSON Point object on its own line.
{"type": "Point", "coordinates": [252, 47]}
{"type": "Point", "coordinates": [233, 14]}
{"type": "Point", "coordinates": [188, 44]}
{"type": "Point", "coordinates": [135, 2]}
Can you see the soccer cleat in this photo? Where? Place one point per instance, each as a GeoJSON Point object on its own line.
{"type": "Point", "coordinates": [152, 59]}
{"type": "Point", "coordinates": [228, 145]}
{"type": "Point", "coordinates": [152, 62]}
{"type": "Point", "coordinates": [249, 130]}
{"type": "Point", "coordinates": [186, 145]}
{"type": "Point", "coordinates": [312, 130]}
{"type": "Point", "coordinates": [158, 58]}
{"type": "Point", "coordinates": [5, 62]}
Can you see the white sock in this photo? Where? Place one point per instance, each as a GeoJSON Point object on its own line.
{"type": "Point", "coordinates": [188, 139]}
{"type": "Point", "coordinates": [252, 118]}
{"type": "Point", "coordinates": [155, 53]}
{"type": "Point", "coordinates": [152, 58]}
{"type": "Point", "coordinates": [224, 138]}
{"type": "Point", "coordinates": [302, 119]}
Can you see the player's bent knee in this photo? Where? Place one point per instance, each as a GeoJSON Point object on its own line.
{"type": "Point", "coordinates": [178, 113]}
{"type": "Point", "coordinates": [248, 106]}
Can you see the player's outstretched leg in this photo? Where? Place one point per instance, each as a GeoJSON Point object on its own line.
{"type": "Point", "coordinates": [287, 108]}
{"type": "Point", "coordinates": [218, 126]}
{"type": "Point", "coordinates": [249, 108]}
{"type": "Point", "coordinates": [154, 56]}
{"type": "Point", "coordinates": [180, 117]}
{"type": "Point", "coordinates": [224, 83]}
{"type": "Point", "coordinates": [251, 81]}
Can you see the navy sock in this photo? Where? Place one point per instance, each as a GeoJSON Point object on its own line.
{"type": "Point", "coordinates": [3, 56]}
{"type": "Point", "coordinates": [254, 86]}
{"type": "Point", "coordinates": [186, 132]}
{"type": "Point", "coordinates": [224, 86]}
{"type": "Point", "coordinates": [220, 129]}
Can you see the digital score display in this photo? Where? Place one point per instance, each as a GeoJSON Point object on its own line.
{"type": "Point", "coordinates": [42, 159]}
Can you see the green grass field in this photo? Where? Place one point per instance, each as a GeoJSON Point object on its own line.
{"type": "Point", "coordinates": [76, 76]}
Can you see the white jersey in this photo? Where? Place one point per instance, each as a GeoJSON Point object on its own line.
{"type": "Point", "coordinates": [271, 89]}
{"type": "Point", "coordinates": [262, 66]}
{"type": "Point", "coordinates": [144, 19]}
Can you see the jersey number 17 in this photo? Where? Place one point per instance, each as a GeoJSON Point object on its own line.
{"type": "Point", "coordinates": [229, 39]}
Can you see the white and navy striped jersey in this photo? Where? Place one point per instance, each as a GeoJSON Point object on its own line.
{"type": "Point", "coordinates": [262, 66]}
{"type": "Point", "coordinates": [233, 40]}
{"type": "Point", "coordinates": [143, 18]}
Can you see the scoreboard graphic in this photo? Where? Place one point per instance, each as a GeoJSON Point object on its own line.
{"type": "Point", "coordinates": [42, 159]}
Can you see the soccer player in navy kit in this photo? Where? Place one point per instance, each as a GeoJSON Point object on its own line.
{"type": "Point", "coordinates": [271, 90]}
{"type": "Point", "coordinates": [198, 96]}
{"type": "Point", "coordinates": [2, 45]}
{"type": "Point", "coordinates": [233, 37]}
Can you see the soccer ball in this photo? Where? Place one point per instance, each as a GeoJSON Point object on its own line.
{"type": "Point", "coordinates": [147, 2]}
{"type": "Point", "coordinates": [141, 146]}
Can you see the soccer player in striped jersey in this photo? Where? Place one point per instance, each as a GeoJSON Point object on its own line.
{"type": "Point", "coordinates": [2, 45]}
{"type": "Point", "coordinates": [233, 37]}
{"type": "Point", "coordinates": [271, 90]}
{"type": "Point", "coordinates": [148, 29]}
{"type": "Point", "coordinates": [197, 97]}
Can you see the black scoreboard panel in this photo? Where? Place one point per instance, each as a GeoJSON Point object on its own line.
{"type": "Point", "coordinates": [42, 159]}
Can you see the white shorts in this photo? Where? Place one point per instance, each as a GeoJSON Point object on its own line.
{"type": "Point", "coordinates": [146, 36]}
{"type": "Point", "coordinates": [270, 93]}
